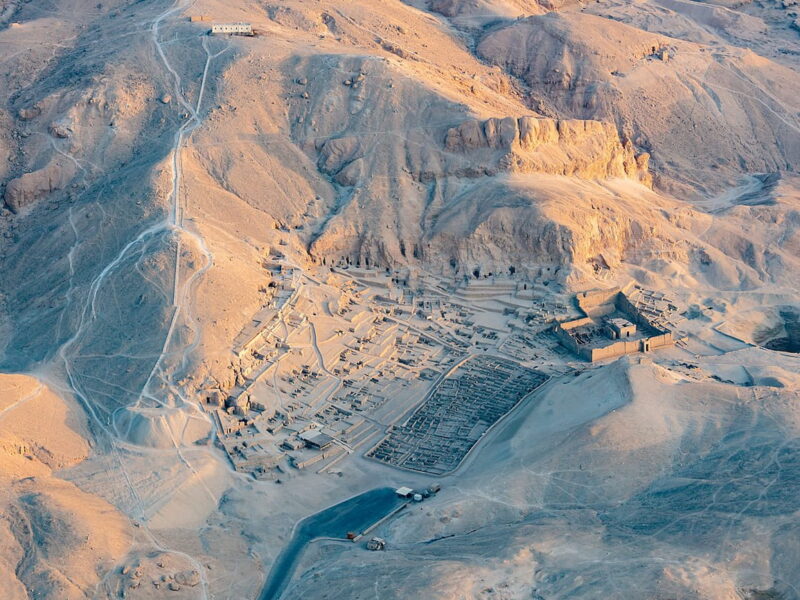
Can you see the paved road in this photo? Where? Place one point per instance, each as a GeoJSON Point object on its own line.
{"type": "Point", "coordinates": [355, 514]}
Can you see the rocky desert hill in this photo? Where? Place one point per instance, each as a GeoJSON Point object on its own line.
{"type": "Point", "coordinates": [56, 540]}
{"type": "Point", "coordinates": [673, 97]}
{"type": "Point", "coordinates": [152, 176]}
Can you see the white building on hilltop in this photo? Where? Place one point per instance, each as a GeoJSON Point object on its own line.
{"type": "Point", "coordinates": [234, 28]}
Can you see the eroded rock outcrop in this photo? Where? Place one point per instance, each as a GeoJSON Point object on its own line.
{"type": "Point", "coordinates": [487, 9]}
{"type": "Point", "coordinates": [698, 113]}
{"type": "Point", "coordinates": [30, 187]}
{"type": "Point", "coordinates": [406, 170]}
{"type": "Point", "coordinates": [60, 129]}
{"type": "Point", "coordinates": [583, 148]}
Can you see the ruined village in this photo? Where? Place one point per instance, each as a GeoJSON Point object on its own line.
{"type": "Point", "coordinates": [408, 370]}
{"type": "Point", "coordinates": [439, 299]}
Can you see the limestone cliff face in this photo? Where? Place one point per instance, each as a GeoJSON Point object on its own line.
{"type": "Point", "coordinates": [574, 147]}
{"type": "Point", "coordinates": [582, 148]}
{"type": "Point", "coordinates": [532, 222]}
{"type": "Point", "coordinates": [420, 185]}
{"type": "Point", "coordinates": [698, 113]}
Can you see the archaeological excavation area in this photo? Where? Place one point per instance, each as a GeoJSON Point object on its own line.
{"type": "Point", "coordinates": [410, 377]}
{"type": "Point", "coordinates": [454, 417]}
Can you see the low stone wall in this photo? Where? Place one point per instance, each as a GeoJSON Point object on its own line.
{"type": "Point", "coordinates": [567, 325]}
{"type": "Point", "coordinates": [615, 349]}
{"type": "Point", "coordinates": [333, 451]}
{"type": "Point", "coordinates": [562, 333]}
{"type": "Point", "coordinates": [630, 347]}
{"type": "Point", "coordinates": [659, 341]}
{"type": "Point", "coordinates": [597, 303]}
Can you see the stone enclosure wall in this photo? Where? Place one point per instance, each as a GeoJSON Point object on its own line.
{"type": "Point", "coordinates": [599, 303]}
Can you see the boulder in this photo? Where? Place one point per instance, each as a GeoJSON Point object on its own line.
{"type": "Point", "coordinates": [30, 187]}
{"type": "Point", "coordinates": [352, 173]}
{"type": "Point", "coordinates": [26, 114]}
{"type": "Point", "coordinates": [188, 578]}
{"type": "Point", "coordinates": [335, 153]}
{"type": "Point", "coordinates": [60, 129]}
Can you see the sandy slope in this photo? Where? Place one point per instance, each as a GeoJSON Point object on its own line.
{"type": "Point", "coordinates": [619, 480]}
{"type": "Point", "coordinates": [57, 541]}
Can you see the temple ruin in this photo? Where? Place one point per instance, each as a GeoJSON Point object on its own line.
{"type": "Point", "coordinates": [612, 326]}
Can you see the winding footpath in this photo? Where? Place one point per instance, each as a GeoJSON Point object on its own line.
{"type": "Point", "coordinates": [171, 225]}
